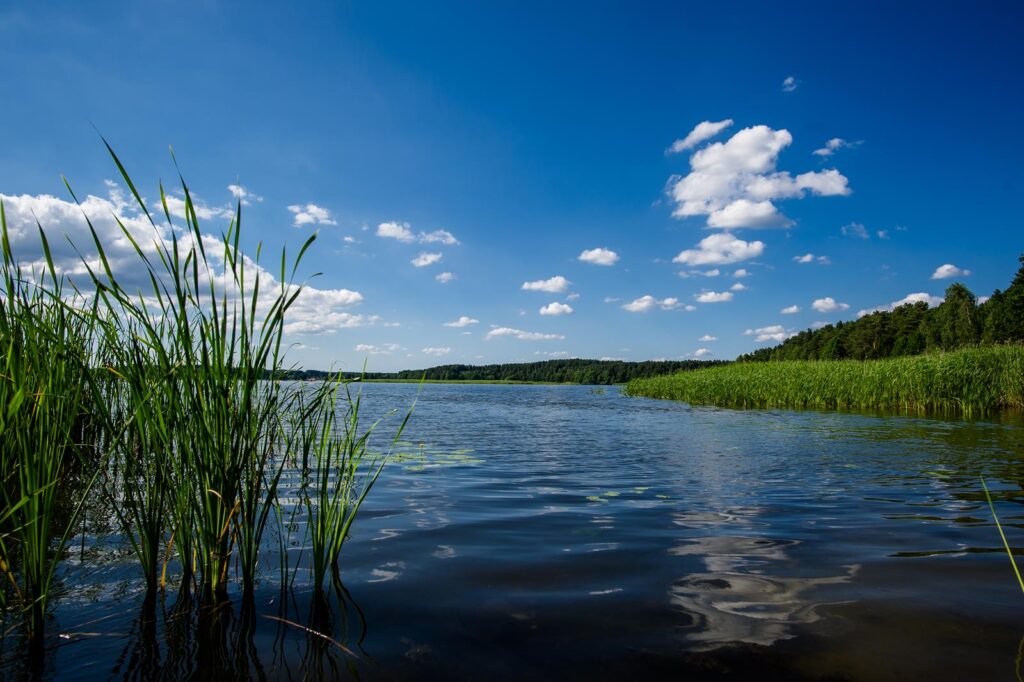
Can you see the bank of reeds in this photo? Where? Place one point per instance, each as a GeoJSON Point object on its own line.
{"type": "Point", "coordinates": [167, 396]}
{"type": "Point", "coordinates": [971, 381]}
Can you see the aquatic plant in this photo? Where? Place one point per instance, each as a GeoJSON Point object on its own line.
{"type": "Point", "coordinates": [47, 344]}
{"type": "Point", "coordinates": [1002, 535]}
{"type": "Point", "coordinates": [968, 381]}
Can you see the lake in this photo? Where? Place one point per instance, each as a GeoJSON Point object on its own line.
{"type": "Point", "coordinates": [561, 532]}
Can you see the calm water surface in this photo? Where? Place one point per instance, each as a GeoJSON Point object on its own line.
{"type": "Point", "coordinates": [571, 532]}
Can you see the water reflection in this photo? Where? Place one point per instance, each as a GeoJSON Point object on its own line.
{"type": "Point", "coordinates": [740, 598]}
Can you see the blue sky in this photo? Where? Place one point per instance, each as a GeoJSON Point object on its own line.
{"type": "Point", "coordinates": [532, 132]}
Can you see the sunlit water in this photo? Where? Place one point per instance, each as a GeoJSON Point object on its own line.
{"type": "Point", "coordinates": [571, 532]}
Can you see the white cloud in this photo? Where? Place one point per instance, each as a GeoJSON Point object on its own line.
{"type": "Point", "coordinates": [648, 302]}
{"type": "Point", "coordinates": [396, 230]}
{"type": "Point", "coordinates": [437, 352]}
{"type": "Point", "coordinates": [463, 321]}
{"type": "Point", "coordinates": [521, 335]}
{"type": "Point", "coordinates": [311, 214]}
{"type": "Point", "coordinates": [919, 297]}
{"type": "Point", "coordinates": [176, 207]}
{"type": "Point", "coordinates": [552, 354]}
{"type": "Point", "coordinates": [855, 230]}
{"type": "Point", "coordinates": [403, 233]}
{"type": "Point", "coordinates": [425, 259]}
{"type": "Point", "coordinates": [690, 308]}
{"type": "Point", "coordinates": [445, 277]}
{"type": "Point", "coordinates": [829, 305]}
{"type": "Point", "coordinates": [349, 239]}
{"type": "Point", "coordinates": [243, 195]}
{"type": "Point", "coordinates": [735, 182]}
{"type": "Point", "coordinates": [720, 249]}
{"type": "Point", "coordinates": [811, 258]}
{"type": "Point", "coordinates": [553, 285]}
{"type": "Point", "coordinates": [708, 337]}
{"type": "Point", "coordinates": [741, 273]}
{"type": "Point", "coordinates": [438, 236]}
{"type": "Point", "coordinates": [714, 297]}
{"type": "Point", "coordinates": [882, 234]}
{"type": "Point", "coordinates": [738, 286]}
{"type": "Point", "coordinates": [714, 272]}
{"type": "Point", "coordinates": [831, 147]}
{"type": "Point", "coordinates": [572, 297]}
{"type": "Point", "coordinates": [775, 332]}
{"type": "Point", "coordinates": [385, 349]}
{"type": "Point", "coordinates": [599, 256]}
{"type": "Point", "coordinates": [556, 308]}
{"type": "Point", "coordinates": [704, 130]}
{"type": "Point", "coordinates": [948, 271]}
{"type": "Point", "coordinates": [612, 299]}
{"type": "Point", "coordinates": [790, 310]}
{"type": "Point", "coordinates": [790, 83]}
{"type": "Point", "coordinates": [702, 352]}
{"type": "Point", "coordinates": [315, 311]}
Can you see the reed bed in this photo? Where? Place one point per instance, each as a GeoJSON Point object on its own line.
{"type": "Point", "coordinates": [167, 399]}
{"type": "Point", "coordinates": [976, 380]}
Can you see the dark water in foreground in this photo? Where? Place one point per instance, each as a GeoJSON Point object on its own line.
{"type": "Point", "coordinates": [587, 535]}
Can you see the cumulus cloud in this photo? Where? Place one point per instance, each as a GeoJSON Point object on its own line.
{"type": "Point", "coordinates": [445, 277]}
{"type": "Point", "coordinates": [735, 183]}
{"type": "Point", "coordinates": [708, 337]}
{"type": "Point", "coordinates": [832, 146]}
{"type": "Point", "coordinates": [315, 311]}
{"type": "Point", "coordinates": [714, 297]}
{"type": "Point", "coordinates": [811, 258]}
{"type": "Point", "coordinates": [738, 286]}
{"type": "Point", "coordinates": [704, 130]}
{"type": "Point", "coordinates": [855, 231]}
{"type": "Point", "coordinates": [919, 297]}
{"type": "Point", "coordinates": [403, 232]}
{"type": "Point", "coordinates": [829, 305]}
{"type": "Point", "coordinates": [463, 321]}
{"type": "Point", "coordinates": [498, 332]}
{"type": "Point", "coordinates": [612, 299]}
{"type": "Point", "coordinates": [425, 259]}
{"type": "Point", "coordinates": [790, 83]}
{"type": "Point", "coordinates": [775, 332]}
{"type": "Point", "coordinates": [599, 256]}
{"type": "Point", "coordinates": [311, 214]}
{"type": "Point", "coordinates": [552, 354]}
{"type": "Point", "coordinates": [648, 302]}
{"type": "Point", "coordinates": [790, 310]}
{"type": "Point", "coordinates": [243, 195]}
{"type": "Point", "coordinates": [553, 285]}
{"type": "Point", "coordinates": [948, 271]}
{"type": "Point", "coordinates": [396, 230]}
{"type": "Point", "coordinates": [702, 352]}
{"type": "Point", "coordinates": [720, 249]}
{"type": "Point", "coordinates": [741, 273]}
{"type": "Point", "coordinates": [437, 352]}
{"type": "Point", "coordinates": [556, 308]}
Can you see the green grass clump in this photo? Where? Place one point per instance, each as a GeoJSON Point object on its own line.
{"type": "Point", "coordinates": [975, 380]}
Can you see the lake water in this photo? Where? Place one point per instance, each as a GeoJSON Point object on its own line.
{"type": "Point", "coordinates": [568, 532]}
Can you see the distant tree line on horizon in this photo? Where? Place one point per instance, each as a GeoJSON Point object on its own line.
{"type": "Point", "coordinates": [569, 371]}
{"type": "Point", "coordinates": [561, 371]}
{"type": "Point", "coordinates": [912, 329]}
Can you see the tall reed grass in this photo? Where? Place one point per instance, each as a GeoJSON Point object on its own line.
{"type": "Point", "coordinates": [970, 381]}
{"type": "Point", "coordinates": [169, 395]}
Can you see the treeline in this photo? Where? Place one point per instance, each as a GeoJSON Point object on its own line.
{"type": "Point", "coordinates": [574, 371]}
{"type": "Point", "coordinates": [912, 329]}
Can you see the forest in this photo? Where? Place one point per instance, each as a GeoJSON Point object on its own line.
{"type": "Point", "coordinates": [569, 371]}
{"type": "Point", "coordinates": [959, 321]}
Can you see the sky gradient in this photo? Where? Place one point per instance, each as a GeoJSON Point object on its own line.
{"type": "Point", "coordinates": [619, 180]}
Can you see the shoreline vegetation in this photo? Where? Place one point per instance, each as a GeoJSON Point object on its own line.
{"type": "Point", "coordinates": [145, 393]}
{"type": "Point", "coordinates": [970, 381]}
{"type": "Point", "coordinates": [559, 371]}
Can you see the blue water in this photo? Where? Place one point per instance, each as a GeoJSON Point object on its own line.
{"type": "Point", "coordinates": [571, 532]}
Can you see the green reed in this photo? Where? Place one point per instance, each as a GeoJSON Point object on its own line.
{"type": "Point", "coordinates": [48, 341]}
{"type": "Point", "coordinates": [968, 381]}
{"type": "Point", "coordinates": [1002, 535]}
{"type": "Point", "coordinates": [338, 471]}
